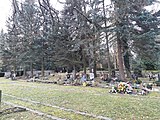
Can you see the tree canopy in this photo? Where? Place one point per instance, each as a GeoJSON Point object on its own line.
{"type": "Point", "coordinates": [85, 34]}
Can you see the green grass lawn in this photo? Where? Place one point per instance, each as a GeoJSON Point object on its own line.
{"type": "Point", "coordinates": [91, 100]}
{"type": "Point", "coordinates": [26, 115]}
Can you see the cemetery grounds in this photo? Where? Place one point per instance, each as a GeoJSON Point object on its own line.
{"type": "Point", "coordinates": [50, 101]}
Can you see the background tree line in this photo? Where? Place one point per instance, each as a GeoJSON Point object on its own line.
{"type": "Point", "coordinates": [108, 34]}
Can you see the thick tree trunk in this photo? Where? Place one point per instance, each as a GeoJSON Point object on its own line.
{"type": "Point", "coordinates": [120, 59]}
{"type": "Point", "coordinates": [14, 68]}
{"type": "Point", "coordinates": [84, 61]}
{"type": "Point", "coordinates": [107, 43]}
{"type": "Point", "coordinates": [108, 57]}
{"type": "Point", "coordinates": [74, 72]}
{"type": "Point", "coordinates": [94, 63]}
{"type": "Point", "coordinates": [90, 65]}
{"type": "Point", "coordinates": [31, 69]}
{"type": "Point", "coordinates": [24, 71]}
{"type": "Point", "coordinates": [42, 67]}
{"type": "Point", "coordinates": [127, 65]}
{"type": "Point", "coordinates": [126, 57]}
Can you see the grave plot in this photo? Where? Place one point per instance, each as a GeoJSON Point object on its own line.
{"type": "Point", "coordinates": [8, 112]}
{"type": "Point", "coordinates": [50, 111]}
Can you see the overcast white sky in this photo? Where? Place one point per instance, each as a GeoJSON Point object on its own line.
{"type": "Point", "coordinates": [5, 10]}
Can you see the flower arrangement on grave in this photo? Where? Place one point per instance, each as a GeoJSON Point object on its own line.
{"type": "Point", "coordinates": [84, 84]}
{"type": "Point", "coordinates": [121, 87]}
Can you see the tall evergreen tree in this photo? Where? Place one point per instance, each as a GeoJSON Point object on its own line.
{"type": "Point", "coordinates": [12, 51]}
{"type": "Point", "coordinates": [129, 15]}
{"type": "Point", "coordinates": [29, 25]}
